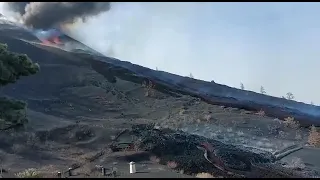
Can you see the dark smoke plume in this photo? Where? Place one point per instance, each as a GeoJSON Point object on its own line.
{"type": "Point", "coordinates": [44, 15]}
{"type": "Point", "coordinates": [17, 6]}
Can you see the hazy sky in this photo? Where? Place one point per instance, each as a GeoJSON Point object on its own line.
{"type": "Point", "coordinates": [271, 44]}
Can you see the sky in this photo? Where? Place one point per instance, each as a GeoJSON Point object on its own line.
{"type": "Point", "coordinates": [274, 45]}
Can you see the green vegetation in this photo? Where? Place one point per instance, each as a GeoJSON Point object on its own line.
{"type": "Point", "coordinates": [12, 67]}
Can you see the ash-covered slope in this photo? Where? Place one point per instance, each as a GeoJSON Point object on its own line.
{"type": "Point", "coordinates": [219, 94]}
{"type": "Point", "coordinates": [111, 68]}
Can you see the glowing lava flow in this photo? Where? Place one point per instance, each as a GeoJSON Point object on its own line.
{"type": "Point", "coordinates": [49, 37]}
{"type": "Point", "coordinates": [57, 40]}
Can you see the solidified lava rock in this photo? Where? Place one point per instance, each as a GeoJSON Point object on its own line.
{"type": "Point", "coordinates": [180, 147]}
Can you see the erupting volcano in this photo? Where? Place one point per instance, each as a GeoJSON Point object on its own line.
{"type": "Point", "coordinates": [50, 40]}
{"type": "Point", "coordinates": [49, 37]}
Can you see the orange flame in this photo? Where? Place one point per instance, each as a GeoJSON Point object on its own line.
{"type": "Point", "coordinates": [45, 42]}
{"type": "Point", "coordinates": [51, 41]}
{"type": "Point", "coordinates": [57, 40]}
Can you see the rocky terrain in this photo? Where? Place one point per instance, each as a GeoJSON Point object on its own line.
{"type": "Point", "coordinates": [79, 103]}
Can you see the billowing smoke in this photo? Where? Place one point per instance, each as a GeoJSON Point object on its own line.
{"type": "Point", "coordinates": [45, 15]}
{"type": "Point", "coordinates": [18, 7]}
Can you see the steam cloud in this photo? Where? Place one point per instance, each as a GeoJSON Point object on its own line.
{"type": "Point", "coordinates": [45, 15]}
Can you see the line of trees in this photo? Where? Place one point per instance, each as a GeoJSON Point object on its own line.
{"type": "Point", "coordinates": [288, 96]}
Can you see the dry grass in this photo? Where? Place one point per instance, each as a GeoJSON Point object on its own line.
{"type": "Point", "coordinates": [198, 120]}
{"type": "Point", "coordinates": [296, 163]}
{"type": "Point", "coordinates": [291, 123]}
{"type": "Point", "coordinates": [149, 87]}
{"type": "Point", "coordinates": [172, 164]}
{"type": "Point", "coordinates": [260, 113]}
{"type": "Point", "coordinates": [240, 133]}
{"type": "Point", "coordinates": [314, 137]}
{"type": "Point", "coordinates": [48, 171]}
{"type": "Point", "coordinates": [181, 112]}
{"type": "Point", "coordinates": [204, 175]}
{"type": "Point", "coordinates": [29, 173]}
{"type": "Point", "coordinates": [154, 159]}
{"type": "Point", "coordinates": [207, 117]}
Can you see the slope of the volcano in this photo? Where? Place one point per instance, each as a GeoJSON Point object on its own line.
{"type": "Point", "coordinates": [73, 110]}
{"type": "Point", "coordinates": [76, 46]}
{"type": "Point", "coordinates": [63, 78]}
{"type": "Point", "coordinates": [77, 102]}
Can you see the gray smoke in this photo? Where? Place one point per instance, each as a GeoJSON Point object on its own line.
{"type": "Point", "coordinates": [18, 7]}
{"type": "Point", "coordinates": [45, 15]}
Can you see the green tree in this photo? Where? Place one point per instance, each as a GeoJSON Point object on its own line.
{"type": "Point", "coordinates": [12, 67]}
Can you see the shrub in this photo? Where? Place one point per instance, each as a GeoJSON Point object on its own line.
{"type": "Point", "coordinates": [29, 173]}
{"type": "Point", "coordinates": [149, 87]}
{"type": "Point", "coordinates": [155, 159]}
{"type": "Point", "coordinates": [172, 164]}
{"type": "Point", "coordinates": [291, 123]}
{"type": "Point", "coordinates": [314, 137]}
{"type": "Point", "coordinates": [204, 175]}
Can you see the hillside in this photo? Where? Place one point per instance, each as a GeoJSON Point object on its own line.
{"type": "Point", "coordinates": [79, 101]}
